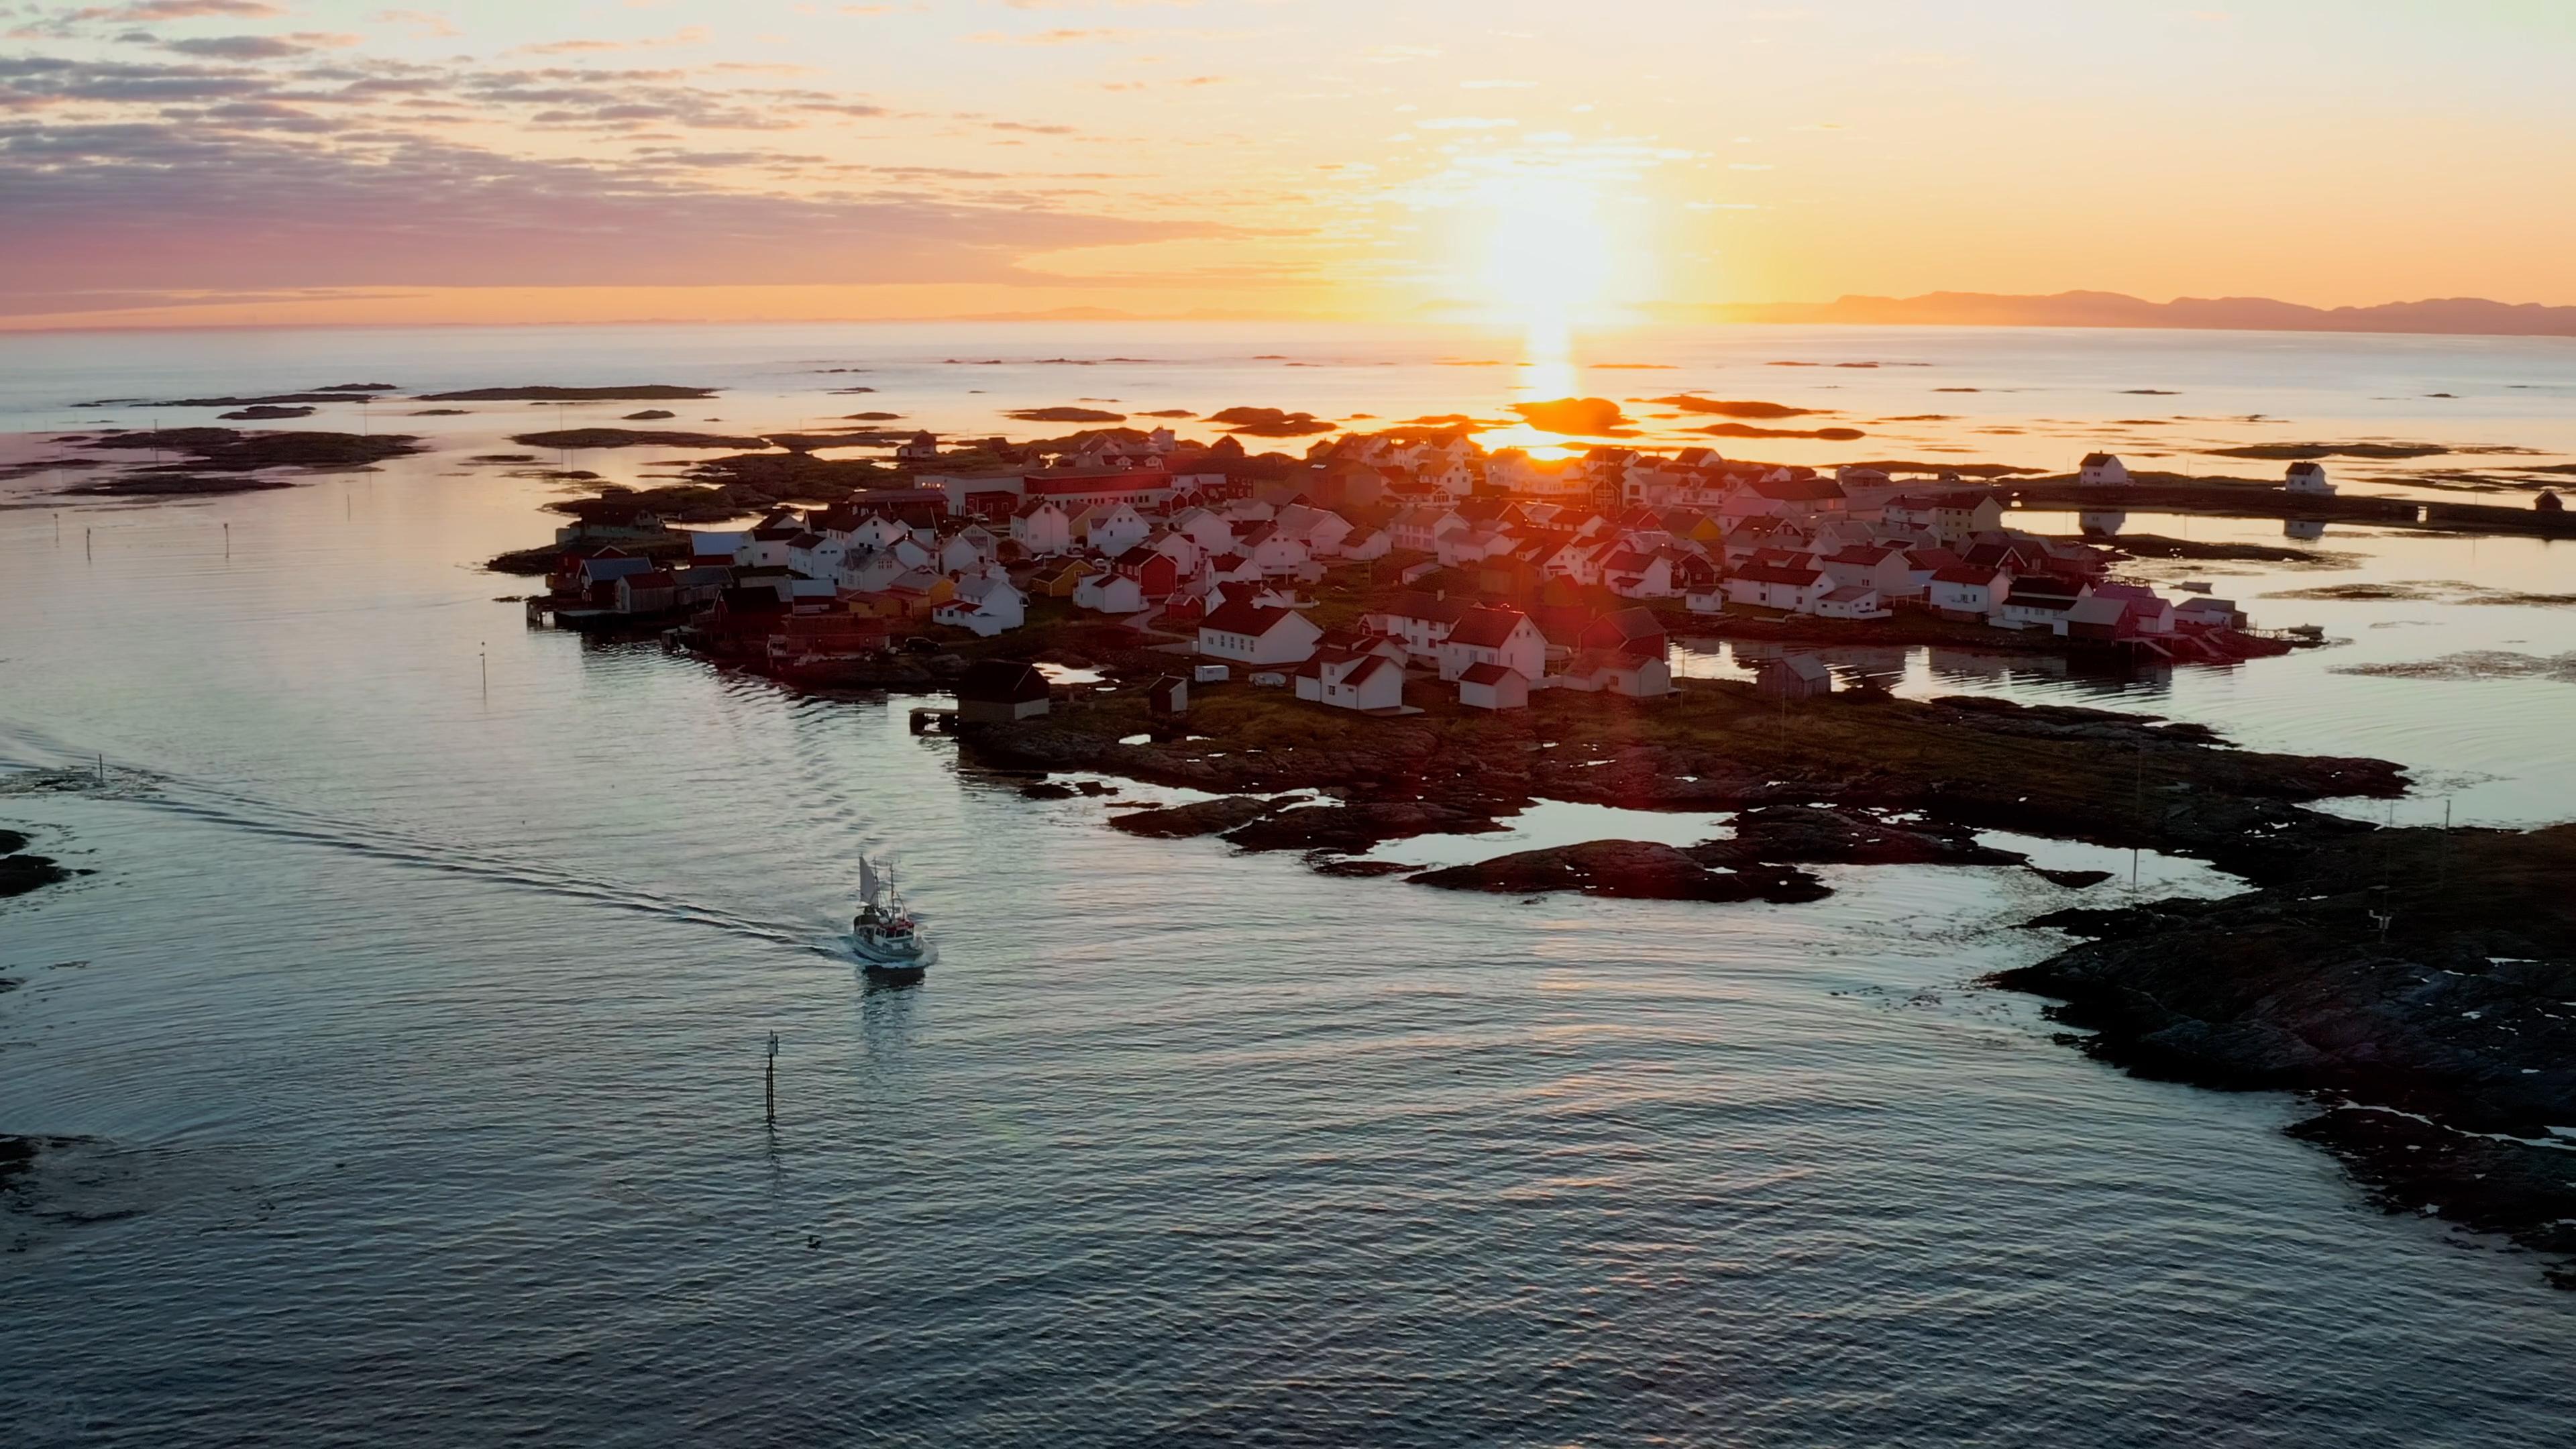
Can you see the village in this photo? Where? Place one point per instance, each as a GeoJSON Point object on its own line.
{"type": "Point", "coordinates": [1380, 571]}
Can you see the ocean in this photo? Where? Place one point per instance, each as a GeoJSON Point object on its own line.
{"type": "Point", "coordinates": [414, 1010]}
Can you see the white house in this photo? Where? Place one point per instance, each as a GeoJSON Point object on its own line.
{"type": "Point", "coordinates": [1043, 529]}
{"type": "Point", "coordinates": [1851, 601]}
{"type": "Point", "coordinates": [869, 571]}
{"type": "Point", "coordinates": [1272, 550]}
{"type": "Point", "coordinates": [1607, 671]}
{"type": "Point", "coordinates": [1352, 681]}
{"type": "Point", "coordinates": [969, 548]}
{"type": "Point", "coordinates": [2308, 478]}
{"type": "Point", "coordinates": [1506, 637]}
{"type": "Point", "coordinates": [1109, 593]}
{"type": "Point", "coordinates": [2102, 470]}
{"type": "Point", "coordinates": [1374, 544]}
{"type": "Point", "coordinates": [1249, 633]}
{"type": "Point", "coordinates": [1792, 588]}
{"type": "Point", "coordinates": [1419, 528]}
{"type": "Point", "coordinates": [1203, 527]}
{"type": "Point", "coordinates": [1491, 686]}
{"type": "Point", "coordinates": [1419, 621]}
{"type": "Point", "coordinates": [1114, 528]}
{"type": "Point", "coordinates": [986, 604]}
{"type": "Point", "coordinates": [874, 531]}
{"type": "Point", "coordinates": [1321, 530]}
{"type": "Point", "coordinates": [1967, 592]}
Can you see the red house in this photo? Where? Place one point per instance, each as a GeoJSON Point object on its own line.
{"type": "Point", "coordinates": [1156, 574]}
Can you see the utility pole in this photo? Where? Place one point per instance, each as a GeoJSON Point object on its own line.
{"type": "Point", "coordinates": [485, 659]}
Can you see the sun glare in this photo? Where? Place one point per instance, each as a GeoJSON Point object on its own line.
{"type": "Point", "coordinates": [1547, 255]}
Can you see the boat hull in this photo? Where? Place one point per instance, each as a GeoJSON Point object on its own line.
{"type": "Point", "coordinates": [877, 961]}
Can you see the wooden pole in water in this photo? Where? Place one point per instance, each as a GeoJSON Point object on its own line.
{"type": "Point", "coordinates": [770, 1079]}
{"type": "Point", "coordinates": [2442, 872]}
{"type": "Point", "coordinates": [228, 540]}
{"type": "Point", "coordinates": [485, 659]}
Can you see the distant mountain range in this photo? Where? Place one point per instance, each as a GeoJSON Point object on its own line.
{"type": "Point", "coordinates": [2460, 316]}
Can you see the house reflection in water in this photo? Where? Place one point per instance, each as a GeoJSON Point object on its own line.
{"type": "Point", "coordinates": [2305, 530]}
{"type": "Point", "coordinates": [2101, 522]}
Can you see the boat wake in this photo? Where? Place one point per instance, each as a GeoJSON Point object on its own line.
{"type": "Point", "coordinates": [240, 810]}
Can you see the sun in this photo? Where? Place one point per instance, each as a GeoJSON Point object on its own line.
{"type": "Point", "coordinates": [1547, 260]}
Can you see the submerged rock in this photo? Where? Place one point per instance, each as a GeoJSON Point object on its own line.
{"type": "Point", "coordinates": [1206, 817]}
{"type": "Point", "coordinates": [1636, 869]}
{"type": "Point", "coordinates": [1817, 835]}
{"type": "Point", "coordinates": [1350, 829]}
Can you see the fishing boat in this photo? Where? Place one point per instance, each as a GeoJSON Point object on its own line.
{"type": "Point", "coordinates": [883, 936]}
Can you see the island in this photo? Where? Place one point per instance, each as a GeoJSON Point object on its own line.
{"type": "Point", "coordinates": [1401, 634]}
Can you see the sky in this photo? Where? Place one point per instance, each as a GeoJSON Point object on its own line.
{"type": "Point", "coordinates": [228, 162]}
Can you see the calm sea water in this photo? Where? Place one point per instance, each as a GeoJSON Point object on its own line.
{"type": "Point", "coordinates": [420, 1027]}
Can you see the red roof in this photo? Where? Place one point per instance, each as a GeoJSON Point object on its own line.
{"type": "Point", "coordinates": [1964, 574]}
{"type": "Point", "coordinates": [1486, 628]}
{"type": "Point", "coordinates": [1486, 674]}
{"type": "Point", "coordinates": [1762, 573]}
{"type": "Point", "coordinates": [1242, 616]}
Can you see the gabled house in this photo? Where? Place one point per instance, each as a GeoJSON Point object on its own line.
{"type": "Point", "coordinates": [1157, 574]}
{"type": "Point", "coordinates": [1488, 635]}
{"type": "Point", "coordinates": [1361, 681]}
{"type": "Point", "coordinates": [999, 691]}
{"type": "Point", "coordinates": [2102, 470]}
{"type": "Point", "coordinates": [1249, 633]}
{"type": "Point", "coordinates": [1851, 602]}
{"type": "Point", "coordinates": [1603, 671]}
{"type": "Point", "coordinates": [2308, 479]}
{"type": "Point", "coordinates": [1419, 621]}
{"type": "Point", "coordinates": [1110, 593]}
{"type": "Point", "coordinates": [1043, 529]}
{"type": "Point", "coordinates": [984, 605]}
{"type": "Point", "coordinates": [1791, 588]}
{"type": "Point", "coordinates": [1492, 686]}
{"type": "Point", "coordinates": [1796, 676]}
{"type": "Point", "coordinates": [971, 547]}
{"type": "Point", "coordinates": [1112, 528]}
{"type": "Point", "coordinates": [1967, 592]}
{"type": "Point", "coordinates": [1418, 529]}
{"type": "Point", "coordinates": [1633, 632]}
{"type": "Point", "coordinates": [1866, 566]}
{"type": "Point", "coordinates": [2037, 603]}
{"type": "Point", "coordinates": [869, 571]}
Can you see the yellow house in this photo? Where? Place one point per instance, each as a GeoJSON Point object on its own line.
{"type": "Point", "coordinates": [1060, 583]}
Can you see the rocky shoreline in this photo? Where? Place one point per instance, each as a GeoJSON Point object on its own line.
{"type": "Point", "coordinates": [22, 873]}
{"type": "Point", "coordinates": [2419, 985]}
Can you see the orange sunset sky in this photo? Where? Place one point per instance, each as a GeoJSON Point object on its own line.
{"type": "Point", "coordinates": [298, 161]}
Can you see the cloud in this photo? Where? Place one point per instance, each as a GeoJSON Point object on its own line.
{"type": "Point", "coordinates": [258, 47]}
{"type": "Point", "coordinates": [134, 206]}
{"type": "Point", "coordinates": [1101, 35]}
{"type": "Point", "coordinates": [426, 24]}
{"type": "Point", "coordinates": [146, 11]}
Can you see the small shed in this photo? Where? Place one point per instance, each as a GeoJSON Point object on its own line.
{"type": "Point", "coordinates": [1798, 676]}
{"type": "Point", "coordinates": [1210, 674]}
{"type": "Point", "coordinates": [2549, 502]}
{"type": "Point", "coordinates": [998, 691]}
{"type": "Point", "coordinates": [1493, 686]}
{"type": "Point", "coordinates": [1169, 695]}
